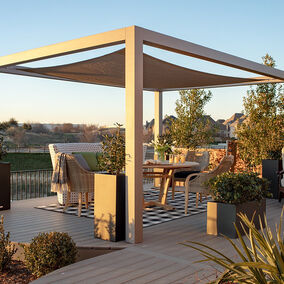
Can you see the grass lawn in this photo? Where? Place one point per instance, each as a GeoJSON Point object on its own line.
{"type": "Point", "coordinates": [28, 161]}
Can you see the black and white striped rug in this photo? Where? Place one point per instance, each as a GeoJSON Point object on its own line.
{"type": "Point", "coordinates": [152, 215]}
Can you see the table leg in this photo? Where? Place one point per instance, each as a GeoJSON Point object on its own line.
{"type": "Point", "coordinates": [164, 187]}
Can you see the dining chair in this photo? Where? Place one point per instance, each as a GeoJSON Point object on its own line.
{"type": "Point", "coordinates": [201, 157]}
{"type": "Point", "coordinates": [196, 182]}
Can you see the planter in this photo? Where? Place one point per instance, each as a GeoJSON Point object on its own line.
{"type": "Point", "coordinates": [221, 216]}
{"type": "Point", "coordinates": [269, 171]}
{"type": "Point", "coordinates": [109, 212]}
{"type": "Point", "coordinates": [5, 187]}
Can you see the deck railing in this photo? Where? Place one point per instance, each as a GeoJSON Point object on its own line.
{"type": "Point", "coordinates": [30, 184]}
{"type": "Point", "coordinates": [35, 183]}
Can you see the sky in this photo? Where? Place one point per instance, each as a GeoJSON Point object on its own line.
{"type": "Point", "coordinates": [248, 29]}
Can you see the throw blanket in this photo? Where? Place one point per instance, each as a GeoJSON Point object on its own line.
{"type": "Point", "coordinates": [59, 181]}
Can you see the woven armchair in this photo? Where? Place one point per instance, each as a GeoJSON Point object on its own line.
{"type": "Point", "coordinates": [69, 148]}
{"type": "Point", "coordinates": [197, 184]}
{"type": "Point", "coordinates": [80, 181]}
{"type": "Point", "coordinates": [192, 156]}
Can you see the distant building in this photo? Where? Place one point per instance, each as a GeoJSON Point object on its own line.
{"type": "Point", "coordinates": [223, 129]}
{"type": "Point", "coordinates": [233, 122]}
{"type": "Point", "coordinates": [149, 126]}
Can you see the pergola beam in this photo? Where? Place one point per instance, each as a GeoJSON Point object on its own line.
{"type": "Point", "coordinates": [198, 51]}
{"type": "Point", "coordinates": [64, 48]}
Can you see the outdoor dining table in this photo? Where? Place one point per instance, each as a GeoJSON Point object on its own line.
{"type": "Point", "coordinates": [166, 176]}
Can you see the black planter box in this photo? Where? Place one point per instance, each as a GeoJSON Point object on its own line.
{"type": "Point", "coordinates": [5, 189]}
{"type": "Point", "coordinates": [269, 171]}
{"type": "Point", "coordinates": [221, 216]}
{"type": "Point", "coordinates": [109, 207]}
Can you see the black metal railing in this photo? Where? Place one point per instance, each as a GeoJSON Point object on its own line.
{"type": "Point", "coordinates": [30, 184]}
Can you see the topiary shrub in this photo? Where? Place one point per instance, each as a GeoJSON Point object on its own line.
{"type": "Point", "coordinates": [48, 252]}
{"type": "Point", "coordinates": [237, 188]}
{"type": "Point", "coordinates": [7, 250]}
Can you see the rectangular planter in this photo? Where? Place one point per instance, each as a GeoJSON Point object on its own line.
{"type": "Point", "coordinates": [109, 207]}
{"type": "Point", "coordinates": [269, 171]}
{"type": "Point", "coordinates": [5, 188]}
{"type": "Point", "coordinates": [221, 217]}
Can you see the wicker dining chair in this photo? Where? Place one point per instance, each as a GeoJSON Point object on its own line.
{"type": "Point", "coordinates": [80, 180]}
{"type": "Point", "coordinates": [192, 156]}
{"type": "Point", "coordinates": [197, 185]}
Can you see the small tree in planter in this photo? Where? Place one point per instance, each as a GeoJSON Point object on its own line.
{"type": "Point", "coordinates": [112, 159]}
{"type": "Point", "coordinates": [4, 178]}
{"type": "Point", "coordinates": [191, 127]}
{"type": "Point", "coordinates": [235, 193]}
{"type": "Point", "coordinates": [109, 221]}
{"type": "Point", "coordinates": [260, 138]}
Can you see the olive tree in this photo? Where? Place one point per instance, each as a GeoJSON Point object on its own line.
{"type": "Point", "coordinates": [261, 136]}
{"type": "Point", "coordinates": [191, 128]}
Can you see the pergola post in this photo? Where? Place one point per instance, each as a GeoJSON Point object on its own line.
{"type": "Point", "coordinates": [133, 135]}
{"type": "Point", "coordinates": [158, 126]}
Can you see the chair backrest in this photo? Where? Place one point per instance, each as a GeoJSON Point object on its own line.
{"type": "Point", "coordinates": [69, 148]}
{"type": "Point", "coordinates": [201, 157]}
{"type": "Point", "coordinates": [144, 152]}
{"type": "Point", "coordinates": [197, 184]}
{"type": "Point", "coordinates": [224, 166]}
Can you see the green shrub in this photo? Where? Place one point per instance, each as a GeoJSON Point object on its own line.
{"type": "Point", "coordinates": [237, 188]}
{"type": "Point", "coordinates": [7, 250]}
{"type": "Point", "coordinates": [49, 251]}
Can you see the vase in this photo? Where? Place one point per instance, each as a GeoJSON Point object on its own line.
{"type": "Point", "coordinates": [161, 156]}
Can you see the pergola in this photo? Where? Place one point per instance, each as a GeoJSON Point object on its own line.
{"type": "Point", "coordinates": [135, 71]}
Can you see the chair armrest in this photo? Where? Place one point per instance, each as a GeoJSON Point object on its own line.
{"type": "Point", "coordinates": [187, 180]}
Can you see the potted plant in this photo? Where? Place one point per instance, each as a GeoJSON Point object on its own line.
{"type": "Point", "coordinates": [109, 196]}
{"type": "Point", "coordinates": [4, 178]}
{"type": "Point", "coordinates": [235, 193]}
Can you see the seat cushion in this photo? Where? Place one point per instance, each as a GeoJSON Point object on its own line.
{"type": "Point", "coordinates": [91, 159]}
{"type": "Point", "coordinates": [83, 163]}
{"type": "Point", "coordinates": [184, 174]}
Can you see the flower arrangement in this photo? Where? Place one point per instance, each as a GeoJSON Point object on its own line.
{"type": "Point", "coordinates": [163, 145]}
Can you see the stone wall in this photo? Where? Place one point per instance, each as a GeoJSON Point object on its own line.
{"type": "Point", "coordinates": [216, 156]}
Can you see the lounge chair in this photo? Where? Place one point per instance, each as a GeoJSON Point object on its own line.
{"type": "Point", "coordinates": [69, 148]}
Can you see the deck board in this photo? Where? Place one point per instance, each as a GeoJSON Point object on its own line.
{"type": "Point", "coordinates": [159, 259]}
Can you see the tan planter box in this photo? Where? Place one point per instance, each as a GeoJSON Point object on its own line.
{"type": "Point", "coordinates": [109, 207]}
{"type": "Point", "coordinates": [221, 217]}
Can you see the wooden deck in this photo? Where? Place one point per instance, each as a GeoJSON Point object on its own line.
{"type": "Point", "coordinates": [159, 259]}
